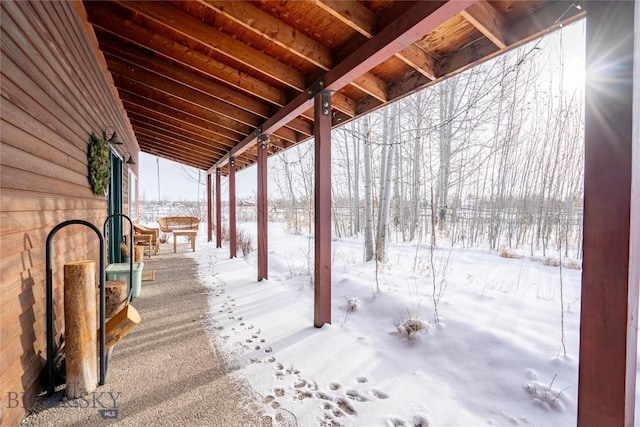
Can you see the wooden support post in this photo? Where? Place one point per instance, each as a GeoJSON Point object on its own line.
{"type": "Point", "coordinates": [80, 328]}
{"type": "Point", "coordinates": [322, 264]}
{"type": "Point", "coordinates": [233, 245]}
{"type": "Point", "coordinates": [263, 263]}
{"type": "Point", "coordinates": [209, 208]}
{"type": "Point", "coordinates": [218, 211]}
{"type": "Point", "coordinates": [611, 262]}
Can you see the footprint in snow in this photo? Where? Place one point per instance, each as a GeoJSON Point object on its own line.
{"type": "Point", "coordinates": [379, 394]}
{"type": "Point", "coordinates": [355, 395]}
{"type": "Point", "coordinates": [335, 386]}
{"type": "Point", "coordinates": [346, 407]}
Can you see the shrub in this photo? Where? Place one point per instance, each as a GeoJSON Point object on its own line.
{"type": "Point", "coordinates": [551, 262]}
{"type": "Point", "coordinates": [411, 326]}
{"type": "Point", "coordinates": [245, 242]}
{"type": "Point", "coordinates": [572, 264]}
{"type": "Point", "coordinates": [508, 253]}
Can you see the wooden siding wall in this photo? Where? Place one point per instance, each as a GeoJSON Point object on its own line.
{"type": "Point", "coordinates": [55, 91]}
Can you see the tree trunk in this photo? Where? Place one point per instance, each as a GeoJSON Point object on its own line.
{"type": "Point", "coordinates": [368, 203]}
{"type": "Point", "coordinates": [385, 184]}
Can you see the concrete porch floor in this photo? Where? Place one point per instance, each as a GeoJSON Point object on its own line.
{"type": "Point", "coordinates": [166, 371]}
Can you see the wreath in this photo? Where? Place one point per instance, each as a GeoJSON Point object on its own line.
{"type": "Point", "coordinates": [99, 165]}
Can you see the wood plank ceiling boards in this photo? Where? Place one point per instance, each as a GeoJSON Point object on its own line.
{"type": "Point", "coordinates": [201, 80]}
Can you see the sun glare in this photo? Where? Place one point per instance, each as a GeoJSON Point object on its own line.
{"type": "Point", "coordinates": [573, 56]}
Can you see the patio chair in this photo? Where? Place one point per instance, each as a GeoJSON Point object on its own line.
{"type": "Point", "coordinates": [147, 237]}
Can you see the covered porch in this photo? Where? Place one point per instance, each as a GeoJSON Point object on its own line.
{"type": "Point", "coordinates": [199, 83]}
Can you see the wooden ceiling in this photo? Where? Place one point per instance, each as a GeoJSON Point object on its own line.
{"type": "Point", "coordinates": [200, 80]}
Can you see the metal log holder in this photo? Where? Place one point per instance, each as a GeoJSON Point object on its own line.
{"type": "Point", "coordinates": [49, 278]}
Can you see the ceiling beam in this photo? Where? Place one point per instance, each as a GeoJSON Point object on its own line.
{"type": "Point", "coordinates": [153, 149]}
{"type": "Point", "coordinates": [365, 22]}
{"type": "Point", "coordinates": [288, 38]}
{"type": "Point", "coordinates": [418, 20]}
{"type": "Point", "coordinates": [184, 77]}
{"type": "Point", "coordinates": [176, 107]}
{"type": "Point", "coordinates": [228, 46]}
{"type": "Point", "coordinates": [103, 17]}
{"type": "Point", "coordinates": [229, 117]}
{"type": "Point", "coordinates": [274, 30]}
{"type": "Point", "coordinates": [544, 20]}
{"type": "Point", "coordinates": [142, 108]}
{"type": "Point", "coordinates": [488, 21]}
{"type": "Point", "coordinates": [148, 130]}
{"type": "Point", "coordinates": [176, 116]}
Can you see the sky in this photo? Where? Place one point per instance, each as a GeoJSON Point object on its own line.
{"type": "Point", "coordinates": [179, 182]}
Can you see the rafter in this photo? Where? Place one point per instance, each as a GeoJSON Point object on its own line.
{"type": "Point", "coordinates": [488, 21]}
{"type": "Point", "coordinates": [164, 133]}
{"type": "Point", "coordinates": [199, 32]}
{"type": "Point", "coordinates": [176, 107]}
{"type": "Point", "coordinates": [362, 20]}
{"type": "Point", "coordinates": [229, 117]}
{"type": "Point", "coordinates": [156, 102]}
{"type": "Point", "coordinates": [101, 16]}
{"type": "Point", "coordinates": [141, 107]}
{"type": "Point", "coordinates": [149, 131]}
{"type": "Point", "coordinates": [295, 42]}
{"type": "Point", "coordinates": [185, 77]}
{"type": "Point", "coordinates": [274, 30]}
{"type": "Point", "coordinates": [411, 25]}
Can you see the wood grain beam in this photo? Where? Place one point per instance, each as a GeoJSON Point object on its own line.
{"type": "Point", "coordinates": [171, 146]}
{"type": "Point", "coordinates": [411, 25]}
{"type": "Point", "coordinates": [488, 21]}
{"type": "Point", "coordinates": [175, 107]}
{"type": "Point", "coordinates": [230, 117]}
{"type": "Point", "coordinates": [542, 21]}
{"type": "Point", "coordinates": [183, 76]}
{"type": "Point", "coordinates": [274, 30]}
{"type": "Point", "coordinates": [418, 20]}
{"type": "Point", "coordinates": [181, 151]}
{"type": "Point", "coordinates": [142, 105]}
{"type": "Point", "coordinates": [151, 130]}
{"type": "Point", "coordinates": [136, 106]}
{"type": "Point", "coordinates": [103, 17]}
{"type": "Point", "coordinates": [171, 153]}
{"type": "Point", "coordinates": [364, 21]}
{"type": "Point", "coordinates": [199, 32]}
{"type": "Point", "coordinates": [157, 82]}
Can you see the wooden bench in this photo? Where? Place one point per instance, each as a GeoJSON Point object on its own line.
{"type": "Point", "coordinates": [180, 226]}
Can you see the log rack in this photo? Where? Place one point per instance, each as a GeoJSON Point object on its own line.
{"type": "Point", "coordinates": [50, 332]}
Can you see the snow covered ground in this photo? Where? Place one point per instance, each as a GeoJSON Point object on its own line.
{"type": "Point", "coordinates": [495, 357]}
